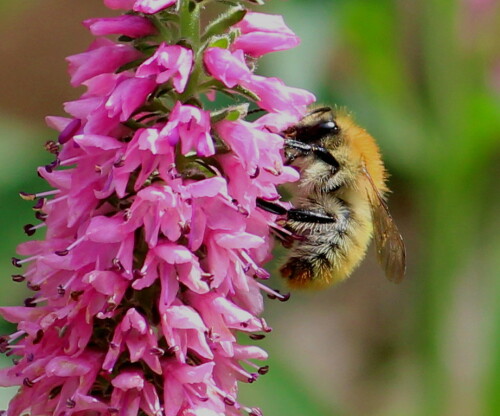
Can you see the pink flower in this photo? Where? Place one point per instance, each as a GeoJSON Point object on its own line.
{"type": "Point", "coordinates": [274, 95]}
{"type": "Point", "coordinates": [228, 67]}
{"type": "Point", "coordinates": [169, 62]}
{"type": "Point", "coordinates": [190, 126]}
{"type": "Point", "coordinates": [151, 265]}
{"type": "Point", "coordinates": [103, 56]}
{"type": "Point", "coordinates": [133, 26]}
{"type": "Point", "coordinates": [263, 33]}
{"type": "Point", "coordinates": [128, 95]}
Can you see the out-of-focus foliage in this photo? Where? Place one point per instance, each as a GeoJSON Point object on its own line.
{"type": "Point", "coordinates": [420, 76]}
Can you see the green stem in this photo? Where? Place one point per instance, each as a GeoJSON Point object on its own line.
{"type": "Point", "coordinates": [189, 13]}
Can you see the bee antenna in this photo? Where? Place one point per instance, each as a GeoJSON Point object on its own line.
{"type": "Point", "coordinates": [319, 110]}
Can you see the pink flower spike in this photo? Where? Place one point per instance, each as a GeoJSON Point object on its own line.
{"type": "Point", "coordinates": [263, 33]}
{"type": "Point", "coordinates": [151, 263]}
{"type": "Point", "coordinates": [228, 67]}
{"type": "Point", "coordinates": [128, 25]}
{"type": "Point", "coordinates": [169, 62]}
{"type": "Point", "coordinates": [152, 6]}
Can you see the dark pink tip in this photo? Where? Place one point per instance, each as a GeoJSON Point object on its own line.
{"type": "Point", "coordinates": [257, 337]}
{"type": "Point", "coordinates": [70, 130]}
{"type": "Point", "coordinates": [117, 265]}
{"type": "Point", "coordinates": [76, 294]}
{"type": "Point", "coordinates": [256, 412]}
{"type": "Point", "coordinates": [4, 345]}
{"type": "Point", "coordinates": [157, 351]}
{"type": "Point", "coordinates": [34, 288]}
{"type": "Point", "coordinates": [18, 278]}
{"type": "Point", "coordinates": [28, 383]}
{"type": "Point", "coordinates": [263, 370]}
{"type": "Point", "coordinates": [256, 173]}
{"type": "Point", "coordinates": [15, 262]}
{"type": "Point", "coordinates": [38, 337]}
{"type": "Point", "coordinates": [285, 297]}
{"type": "Point", "coordinates": [52, 147]}
{"type": "Point", "coordinates": [27, 196]}
{"type": "Point", "coordinates": [39, 204]}
{"type": "Point", "coordinates": [60, 290]}
{"type": "Point", "coordinates": [29, 230]}
{"type": "Point", "coordinates": [28, 302]}
{"type": "Point", "coordinates": [70, 403]}
{"type": "Point", "coordinates": [229, 401]}
{"type": "Point", "coordinates": [51, 166]}
{"type": "Point", "coordinates": [40, 216]}
{"type": "Point", "coordinates": [254, 378]}
{"type": "Point", "coordinates": [61, 253]}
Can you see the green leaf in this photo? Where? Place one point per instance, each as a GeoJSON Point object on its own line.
{"type": "Point", "coordinates": [231, 113]}
{"type": "Point", "coordinates": [220, 42]}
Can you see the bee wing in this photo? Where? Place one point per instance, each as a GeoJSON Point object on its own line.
{"type": "Point", "coordinates": [391, 252]}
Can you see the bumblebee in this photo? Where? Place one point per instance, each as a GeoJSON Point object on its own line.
{"type": "Point", "coordinates": [340, 202]}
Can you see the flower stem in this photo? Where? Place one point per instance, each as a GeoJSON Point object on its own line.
{"type": "Point", "coordinates": [189, 13]}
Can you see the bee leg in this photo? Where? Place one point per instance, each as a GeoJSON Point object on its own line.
{"type": "Point", "coordinates": [296, 214]}
{"type": "Point", "coordinates": [315, 217]}
{"type": "Point", "coordinates": [320, 152]}
{"type": "Point", "coordinates": [271, 207]}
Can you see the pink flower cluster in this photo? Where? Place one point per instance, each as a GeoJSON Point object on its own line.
{"type": "Point", "coordinates": [153, 252]}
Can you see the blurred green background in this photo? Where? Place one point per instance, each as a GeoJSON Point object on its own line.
{"type": "Point", "coordinates": [423, 77]}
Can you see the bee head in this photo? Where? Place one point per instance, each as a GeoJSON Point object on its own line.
{"type": "Point", "coordinates": [315, 126]}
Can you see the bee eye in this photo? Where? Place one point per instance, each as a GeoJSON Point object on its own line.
{"type": "Point", "coordinates": [330, 127]}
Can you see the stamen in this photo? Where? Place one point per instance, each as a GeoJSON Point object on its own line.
{"type": "Point", "coordinates": [273, 294]}
{"type": "Point", "coordinates": [262, 274]}
{"type": "Point", "coordinates": [36, 380]}
{"type": "Point", "coordinates": [70, 161]}
{"type": "Point", "coordinates": [56, 200]}
{"type": "Point", "coordinates": [265, 326]}
{"type": "Point", "coordinates": [30, 229]}
{"type": "Point", "coordinates": [31, 197]}
{"type": "Point", "coordinates": [66, 251]}
{"type": "Point", "coordinates": [261, 370]}
{"type": "Point", "coordinates": [16, 347]}
{"type": "Point", "coordinates": [33, 301]}
{"type": "Point", "coordinates": [18, 262]}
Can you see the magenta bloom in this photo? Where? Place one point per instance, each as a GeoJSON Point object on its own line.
{"type": "Point", "coordinates": [263, 33]}
{"type": "Point", "coordinates": [129, 25]}
{"type": "Point", "coordinates": [152, 260]}
{"type": "Point", "coordinates": [169, 62]}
